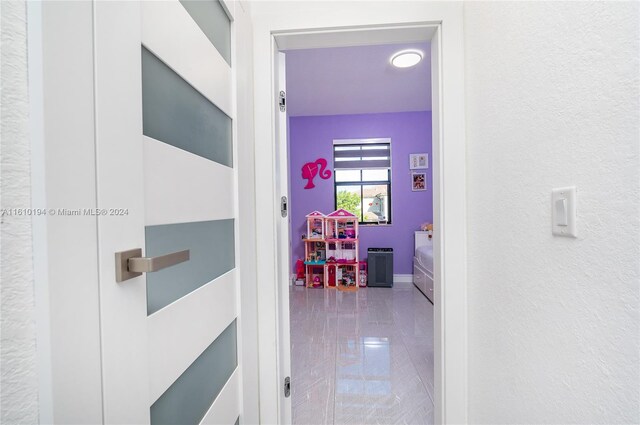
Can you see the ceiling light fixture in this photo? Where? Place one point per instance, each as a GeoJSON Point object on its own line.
{"type": "Point", "coordinates": [406, 58]}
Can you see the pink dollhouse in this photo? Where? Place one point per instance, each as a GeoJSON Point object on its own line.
{"type": "Point", "coordinates": [331, 250]}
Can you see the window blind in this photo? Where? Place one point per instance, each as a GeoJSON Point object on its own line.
{"type": "Point", "coordinates": [362, 156]}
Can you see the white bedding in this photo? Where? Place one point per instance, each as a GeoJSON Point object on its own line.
{"type": "Point", "coordinates": [424, 254]}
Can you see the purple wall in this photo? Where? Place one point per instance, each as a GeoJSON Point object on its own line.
{"type": "Point", "coordinates": [312, 137]}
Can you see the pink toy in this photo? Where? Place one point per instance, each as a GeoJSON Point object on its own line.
{"type": "Point", "coordinates": [316, 282]}
{"type": "Point", "coordinates": [299, 269]}
{"type": "Point", "coordinates": [310, 169]}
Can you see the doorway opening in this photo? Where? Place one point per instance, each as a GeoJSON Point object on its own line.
{"type": "Point", "coordinates": [354, 161]}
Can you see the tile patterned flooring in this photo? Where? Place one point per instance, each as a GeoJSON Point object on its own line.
{"type": "Point", "coordinates": [362, 357]}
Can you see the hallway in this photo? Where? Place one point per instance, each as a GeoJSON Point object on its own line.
{"type": "Point", "coordinates": [158, 160]}
{"type": "Point", "coordinates": [361, 358]}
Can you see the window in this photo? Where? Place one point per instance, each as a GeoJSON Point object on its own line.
{"type": "Point", "coordinates": [362, 175]}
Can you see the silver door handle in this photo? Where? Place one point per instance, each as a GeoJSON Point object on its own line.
{"type": "Point", "coordinates": [131, 263]}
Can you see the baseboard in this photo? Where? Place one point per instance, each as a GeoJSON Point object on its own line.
{"type": "Point", "coordinates": [402, 280]}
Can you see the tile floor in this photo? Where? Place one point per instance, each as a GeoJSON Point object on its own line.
{"type": "Point", "coordinates": [362, 357]}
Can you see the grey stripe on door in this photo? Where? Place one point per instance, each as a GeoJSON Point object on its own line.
{"type": "Point", "coordinates": [212, 248]}
{"type": "Point", "coordinates": [187, 400]}
{"type": "Point", "coordinates": [174, 112]}
{"type": "Point", "coordinates": [214, 23]}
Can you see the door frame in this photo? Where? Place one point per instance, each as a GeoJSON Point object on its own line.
{"type": "Point", "coordinates": [449, 173]}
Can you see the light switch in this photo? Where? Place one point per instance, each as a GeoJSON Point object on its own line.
{"type": "Point", "coordinates": [563, 205]}
{"type": "Point", "coordinates": [561, 212]}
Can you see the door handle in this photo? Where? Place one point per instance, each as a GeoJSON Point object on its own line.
{"type": "Point", "coordinates": [131, 263]}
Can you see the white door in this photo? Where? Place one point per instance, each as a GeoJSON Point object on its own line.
{"type": "Point", "coordinates": [165, 132]}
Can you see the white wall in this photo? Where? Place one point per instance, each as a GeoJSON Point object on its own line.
{"type": "Point", "coordinates": [552, 100]}
{"type": "Point", "coordinates": [18, 372]}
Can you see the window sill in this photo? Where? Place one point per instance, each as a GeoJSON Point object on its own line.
{"type": "Point", "coordinates": [375, 224]}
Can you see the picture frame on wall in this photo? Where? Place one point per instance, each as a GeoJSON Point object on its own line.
{"type": "Point", "coordinates": [418, 181]}
{"type": "Point", "coordinates": [418, 160]}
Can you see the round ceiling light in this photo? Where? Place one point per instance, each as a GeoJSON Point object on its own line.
{"type": "Point", "coordinates": [406, 58]}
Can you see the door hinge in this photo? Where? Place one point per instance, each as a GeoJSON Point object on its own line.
{"type": "Point", "coordinates": [282, 101]}
{"type": "Point", "coordinates": [283, 206]}
{"type": "Point", "coordinates": [287, 386]}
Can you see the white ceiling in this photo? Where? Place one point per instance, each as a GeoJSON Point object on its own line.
{"type": "Point", "coordinates": [356, 80]}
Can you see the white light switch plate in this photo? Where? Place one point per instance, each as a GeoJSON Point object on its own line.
{"type": "Point", "coordinates": [563, 211]}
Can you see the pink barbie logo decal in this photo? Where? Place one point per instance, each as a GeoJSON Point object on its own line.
{"type": "Point", "coordinates": [311, 169]}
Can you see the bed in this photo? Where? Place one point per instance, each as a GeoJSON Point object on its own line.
{"type": "Point", "coordinates": [423, 264]}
